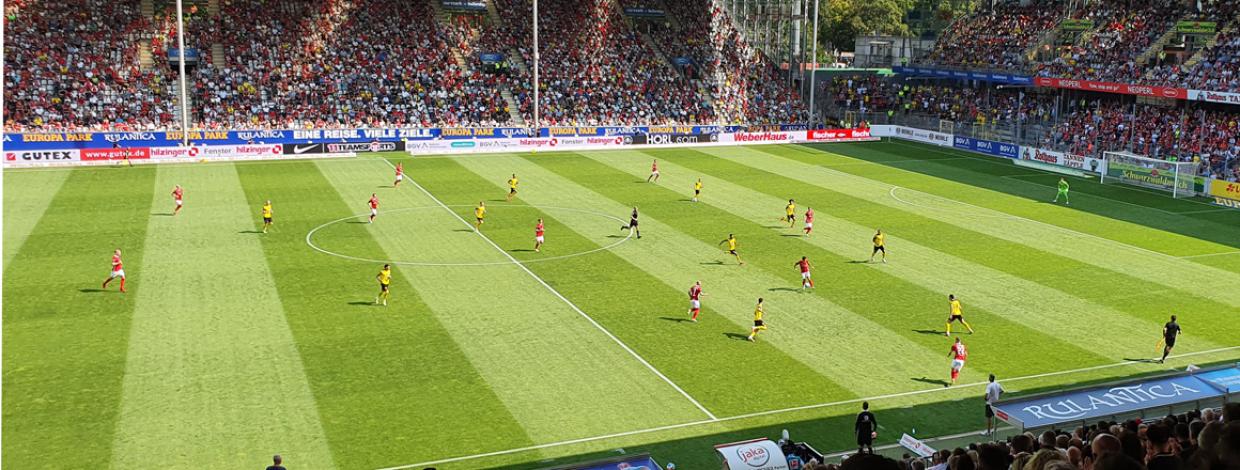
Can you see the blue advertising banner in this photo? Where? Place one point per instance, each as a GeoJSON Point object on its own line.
{"type": "Point", "coordinates": [1004, 78]}
{"type": "Point", "coordinates": [1098, 403]}
{"type": "Point", "coordinates": [191, 54]}
{"type": "Point", "coordinates": [988, 147]}
{"type": "Point", "coordinates": [490, 57]}
{"type": "Point", "coordinates": [682, 60]}
{"type": "Point", "coordinates": [1227, 380]}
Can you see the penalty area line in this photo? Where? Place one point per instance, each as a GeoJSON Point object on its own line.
{"type": "Point", "coordinates": [565, 300]}
{"type": "Point", "coordinates": [789, 410]}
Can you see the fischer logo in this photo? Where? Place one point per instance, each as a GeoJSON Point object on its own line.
{"type": "Point", "coordinates": [753, 455]}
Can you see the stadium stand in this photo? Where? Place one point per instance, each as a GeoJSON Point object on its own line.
{"type": "Point", "coordinates": [995, 39]}
{"type": "Point", "coordinates": [67, 68]}
{"type": "Point", "coordinates": [1122, 34]}
{"type": "Point", "coordinates": [1082, 126]}
{"type": "Point", "coordinates": [1197, 440]}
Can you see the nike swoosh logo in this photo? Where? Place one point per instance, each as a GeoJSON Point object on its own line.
{"type": "Point", "coordinates": [300, 149]}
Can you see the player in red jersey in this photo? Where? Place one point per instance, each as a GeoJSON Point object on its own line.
{"type": "Point", "coordinates": [809, 220]}
{"type": "Point", "coordinates": [654, 172]}
{"type": "Point", "coordinates": [695, 302]}
{"type": "Point", "coordinates": [805, 279]}
{"type": "Point", "coordinates": [374, 207]}
{"type": "Point", "coordinates": [958, 353]}
{"type": "Point", "coordinates": [177, 195]}
{"type": "Point", "coordinates": [400, 174]}
{"type": "Point", "coordinates": [118, 270]}
{"type": "Point", "coordinates": [538, 235]}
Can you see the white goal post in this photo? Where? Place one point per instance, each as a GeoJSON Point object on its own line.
{"type": "Point", "coordinates": [1177, 178]}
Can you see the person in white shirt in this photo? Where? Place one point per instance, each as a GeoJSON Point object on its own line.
{"type": "Point", "coordinates": [993, 391]}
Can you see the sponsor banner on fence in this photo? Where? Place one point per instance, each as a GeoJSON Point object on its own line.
{"type": "Point", "coordinates": [1004, 78]}
{"type": "Point", "coordinates": [123, 153]}
{"type": "Point", "coordinates": [1076, 25]}
{"type": "Point", "coordinates": [761, 137]}
{"type": "Point", "coordinates": [1155, 176]}
{"type": "Point", "coordinates": [839, 135]}
{"type": "Point", "coordinates": [473, 5]}
{"type": "Point", "coordinates": [1069, 160]}
{"type": "Point", "coordinates": [758, 454]}
{"type": "Point", "coordinates": [1214, 96]}
{"type": "Point", "coordinates": [1097, 403]}
{"type": "Point", "coordinates": [645, 12]}
{"type": "Point", "coordinates": [988, 147]}
{"type": "Point", "coordinates": [40, 156]}
{"type": "Point", "coordinates": [923, 136]}
{"type": "Point", "coordinates": [916, 446]}
{"type": "Point", "coordinates": [664, 139]}
{"type": "Point", "coordinates": [360, 147]}
{"type": "Point", "coordinates": [1225, 193]}
{"type": "Point", "coordinates": [1195, 27]}
{"type": "Point", "coordinates": [1109, 87]}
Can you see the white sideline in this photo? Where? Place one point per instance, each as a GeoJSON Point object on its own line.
{"type": "Point", "coordinates": [781, 411]}
{"type": "Point", "coordinates": [564, 299]}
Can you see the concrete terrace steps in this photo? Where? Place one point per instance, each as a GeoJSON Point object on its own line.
{"type": "Point", "coordinates": [217, 55]}
{"type": "Point", "coordinates": [1157, 45]}
{"type": "Point", "coordinates": [514, 111]}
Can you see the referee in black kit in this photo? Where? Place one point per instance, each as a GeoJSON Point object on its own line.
{"type": "Point", "coordinates": [865, 429]}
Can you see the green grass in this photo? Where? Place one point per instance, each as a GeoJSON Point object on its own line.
{"type": "Point", "coordinates": [232, 345]}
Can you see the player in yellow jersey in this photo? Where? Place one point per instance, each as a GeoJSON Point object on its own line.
{"type": "Point", "coordinates": [512, 187]}
{"type": "Point", "coordinates": [480, 213]}
{"type": "Point", "coordinates": [731, 241]}
{"type": "Point", "coordinates": [758, 325]}
{"type": "Point", "coordinates": [266, 215]}
{"type": "Point", "coordinates": [955, 313]}
{"type": "Point", "coordinates": [880, 244]}
{"type": "Point", "coordinates": [790, 213]}
{"type": "Point", "coordinates": [697, 189]}
{"type": "Point", "coordinates": [385, 280]}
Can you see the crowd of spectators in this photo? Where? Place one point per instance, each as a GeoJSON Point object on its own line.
{"type": "Point", "coordinates": [980, 105]}
{"type": "Point", "coordinates": [996, 39]}
{"type": "Point", "coordinates": [744, 85]}
{"type": "Point", "coordinates": [1123, 31]}
{"type": "Point", "coordinates": [1198, 440]}
{"type": "Point", "coordinates": [1209, 136]}
{"type": "Point", "coordinates": [73, 64]}
{"type": "Point", "coordinates": [1217, 70]}
{"type": "Point", "coordinates": [594, 69]}
{"type": "Point", "coordinates": [337, 63]}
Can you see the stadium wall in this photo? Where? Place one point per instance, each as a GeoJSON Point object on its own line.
{"type": "Point", "coordinates": [62, 149]}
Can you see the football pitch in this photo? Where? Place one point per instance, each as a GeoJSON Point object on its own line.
{"type": "Point", "coordinates": [231, 344]}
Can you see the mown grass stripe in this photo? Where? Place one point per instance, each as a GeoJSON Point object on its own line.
{"type": "Point", "coordinates": [65, 340]}
{"type": "Point", "coordinates": [1112, 255]}
{"type": "Point", "coordinates": [649, 313]}
{"type": "Point", "coordinates": [983, 271]}
{"type": "Point", "coordinates": [801, 325]}
{"type": "Point", "coordinates": [389, 382]}
{"type": "Point", "coordinates": [204, 361]}
{"type": "Point", "coordinates": [554, 371]}
{"type": "Point", "coordinates": [26, 197]}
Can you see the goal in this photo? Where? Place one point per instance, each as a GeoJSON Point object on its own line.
{"type": "Point", "coordinates": [1177, 178]}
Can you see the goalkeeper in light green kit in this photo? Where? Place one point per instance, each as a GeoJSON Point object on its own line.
{"type": "Point", "coordinates": [1063, 191]}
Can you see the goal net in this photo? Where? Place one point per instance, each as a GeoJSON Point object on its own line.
{"type": "Point", "coordinates": [1177, 178]}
